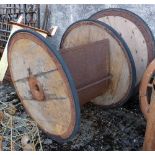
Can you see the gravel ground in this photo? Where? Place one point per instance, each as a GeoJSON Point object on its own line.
{"type": "Point", "coordinates": [121, 128]}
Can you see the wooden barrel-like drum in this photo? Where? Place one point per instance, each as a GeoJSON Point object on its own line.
{"type": "Point", "coordinates": [135, 32]}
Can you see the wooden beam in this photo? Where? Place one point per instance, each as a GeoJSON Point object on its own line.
{"type": "Point", "coordinates": [15, 27]}
{"type": "Point", "coordinates": [4, 62]}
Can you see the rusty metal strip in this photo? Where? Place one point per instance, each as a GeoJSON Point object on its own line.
{"type": "Point", "coordinates": [89, 65]}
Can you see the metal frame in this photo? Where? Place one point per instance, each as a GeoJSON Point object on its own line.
{"type": "Point", "coordinates": [11, 12]}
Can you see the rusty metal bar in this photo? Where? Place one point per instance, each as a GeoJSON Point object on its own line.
{"type": "Point", "coordinates": [91, 91]}
{"type": "Point", "coordinates": [89, 66]}
{"type": "Point", "coordinates": [29, 27]}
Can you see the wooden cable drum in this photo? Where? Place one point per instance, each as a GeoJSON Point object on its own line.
{"type": "Point", "coordinates": [135, 32]}
{"type": "Point", "coordinates": [50, 84]}
{"type": "Point", "coordinates": [44, 84]}
{"type": "Point", "coordinates": [121, 64]}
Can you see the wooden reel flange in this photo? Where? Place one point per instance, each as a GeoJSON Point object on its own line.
{"type": "Point", "coordinates": [147, 104]}
{"type": "Point", "coordinates": [121, 64]}
{"type": "Point", "coordinates": [44, 84]}
{"type": "Point", "coordinates": [136, 34]}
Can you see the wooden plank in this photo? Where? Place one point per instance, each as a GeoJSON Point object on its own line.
{"type": "Point", "coordinates": [4, 62]}
{"type": "Point", "coordinates": [30, 27]}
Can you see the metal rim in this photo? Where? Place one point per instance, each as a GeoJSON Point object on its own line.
{"type": "Point", "coordinates": [125, 48]}
{"type": "Point", "coordinates": [68, 76]}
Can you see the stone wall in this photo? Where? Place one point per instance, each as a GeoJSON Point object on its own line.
{"type": "Point", "coordinates": [65, 15]}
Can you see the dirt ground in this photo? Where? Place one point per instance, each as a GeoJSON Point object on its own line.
{"type": "Point", "coordinates": [119, 128]}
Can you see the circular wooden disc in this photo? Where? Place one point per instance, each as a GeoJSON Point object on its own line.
{"type": "Point", "coordinates": [44, 84]}
{"type": "Point", "coordinates": [135, 32]}
{"type": "Point", "coordinates": [147, 88]}
{"type": "Point", "coordinates": [122, 66]}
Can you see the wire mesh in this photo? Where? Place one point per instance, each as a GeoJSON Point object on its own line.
{"type": "Point", "coordinates": [17, 132]}
{"type": "Point", "coordinates": [11, 12]}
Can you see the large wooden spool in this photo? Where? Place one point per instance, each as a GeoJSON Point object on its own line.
{"type": "Point", "coordinates": [94, 64]}
{"type": "Point", "coordinates": [121, 63]}
{"type": "Point", "coordinates": [135, 32]}
{"type": "Point", "coordinates": [44, 83]}
{"type": "Point", "coordinates": [46, 87]}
